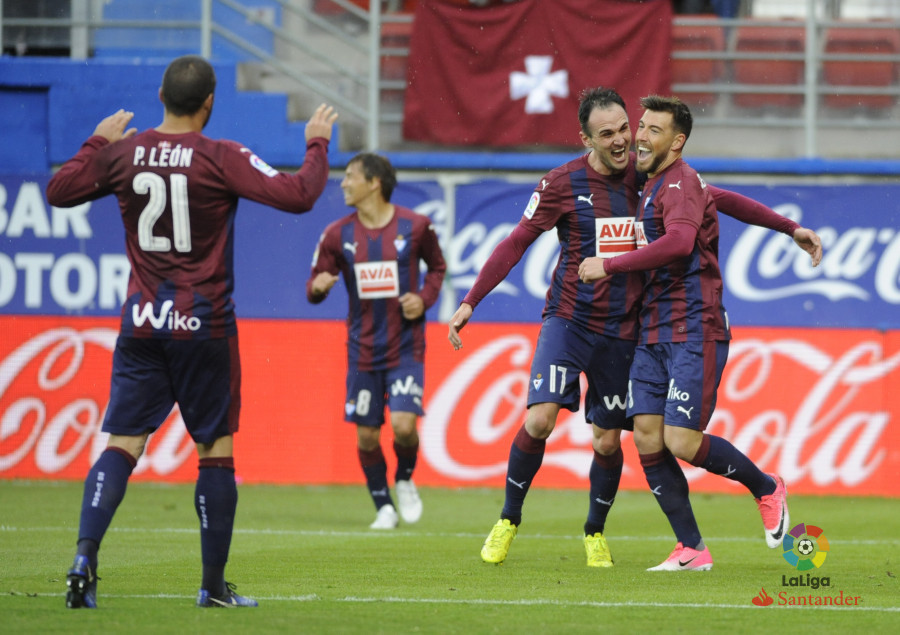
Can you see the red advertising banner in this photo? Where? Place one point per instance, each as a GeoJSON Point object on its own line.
{"type": "Point", "coordinates": [819, 407]}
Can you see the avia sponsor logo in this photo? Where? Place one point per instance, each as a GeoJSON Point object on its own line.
{"type": "Point", "coordinates": [167, 319]}
{"type": "Point", "coordinates": [805, 547]}
{"type": "Point", "coordinates": [378, 279]}
{"type": "Point", "coordinates": [764, 265]}
{"type": "Point", "coordinates": [615, 236]}
{"type": "Point", "coordinates": [640, 236]}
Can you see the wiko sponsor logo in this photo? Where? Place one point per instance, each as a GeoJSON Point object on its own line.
{"type": "Point", "coordinates": [167, 319]}
{"type": "Point", "coordinates": [806, 547]}
{"type": "Point", "coordinates": [676, 394]}
{"type": "Point", "coordinates": [407, 387]}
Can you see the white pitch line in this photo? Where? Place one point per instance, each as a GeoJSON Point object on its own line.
{"type": "Point", "coordinates": [418, 534]}
{"type": "Point", "coordinates": [485, 602]}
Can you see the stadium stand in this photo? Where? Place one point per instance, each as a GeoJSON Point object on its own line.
{"type": "Point", "coordinates": [690, 37]}
{"type": "Point", "coordinates": [873, 43]}
{"type": "Point", "coordinates": [775, 69]}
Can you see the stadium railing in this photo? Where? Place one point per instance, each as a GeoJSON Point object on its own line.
{"type": "Point", "coordinates": [353, 56]}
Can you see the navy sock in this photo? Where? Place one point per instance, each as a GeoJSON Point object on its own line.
{"type": "Point", "coordinates": [215, 499]}
{"type": "Point", "coordinates": [406, 461]}
{"type": "Point", "coordinates": [668, 484]}
{"type": "Point", "coordinates": [525, 458]}
{"type": "Point", "coordinates": [606, 471]}
{"type": "Point", "coordinates": [719, 456]}
{"type": "Point", "coordinates": [104, 489]}
{"type": "Point", "coordinates": [375, 469]}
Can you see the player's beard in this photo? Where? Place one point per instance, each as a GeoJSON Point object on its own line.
{"type": "Point", "coordinates": [652, 164]}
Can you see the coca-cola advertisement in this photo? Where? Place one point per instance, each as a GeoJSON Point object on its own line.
{"type": "Point", "coordinates": [817, 406]}
{"type": "Point", "coordinates": [810, 390]}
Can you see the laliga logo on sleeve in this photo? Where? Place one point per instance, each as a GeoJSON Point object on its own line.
{"type": "Point", "coordinates": [805, 547]}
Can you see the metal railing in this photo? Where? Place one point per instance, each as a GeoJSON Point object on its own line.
{"type": "Point", "coordinates": [348, 62]}
{"type": "Point", "coordinates": [813, 90]}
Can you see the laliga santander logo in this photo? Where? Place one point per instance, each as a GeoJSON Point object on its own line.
{"type": "Point", "coordinates": [805, 547]}
{"type": "Point", "coordinates": [763, 599]}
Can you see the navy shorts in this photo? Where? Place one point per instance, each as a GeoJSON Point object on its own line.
{"type": "Point", "coordinates": [368, 392]}
{"type": "Point", "coordinates": [565, 350]}
{"type": "Point", "coordinates": [149, 376]}
{"type": "Point", "coordinates": [677, 380]}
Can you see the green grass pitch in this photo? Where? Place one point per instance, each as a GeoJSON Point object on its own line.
{"type": "Point", "coordinates": [307, 555]}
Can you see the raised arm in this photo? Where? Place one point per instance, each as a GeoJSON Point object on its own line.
{"type": "Point", "coordinates": [753, 212]}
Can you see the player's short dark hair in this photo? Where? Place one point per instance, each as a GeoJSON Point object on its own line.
{"type": "Point", "coordinates": [186, 84]}
{"type": "Point", "coordinates": [682, 119]}
{"type": "Point", "coordinates": [598, 97]}
{"type": "Point", "coordinates": [375, 165]}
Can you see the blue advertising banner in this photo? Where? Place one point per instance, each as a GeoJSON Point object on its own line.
{"type": "Point", "coordinates": [71, 261]}
{"type": "Point", "coordinates": [768, 280]}
{"type": "Point", "coordinates": [56, 261]}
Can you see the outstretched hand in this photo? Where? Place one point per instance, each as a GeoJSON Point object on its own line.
{"type": "Point", "coordinates": [457, 322]}
{"type": "Point", "coordinates": [319, 125]}
{"type": "Point", "coordinates": [809, 241]}
{"type": "Point", "coordinates": [113, 127]}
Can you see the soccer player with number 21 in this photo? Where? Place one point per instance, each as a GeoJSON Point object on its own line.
{"type": "Point", "coordinates": [178, 192]}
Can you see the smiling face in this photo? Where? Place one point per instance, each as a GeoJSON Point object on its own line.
{"type": "Point", "coordinates": [355, 186]}
{"type": "Point", "coordinates": [657, 142]}
{"type": "Point", "coordinates": [610, 139]}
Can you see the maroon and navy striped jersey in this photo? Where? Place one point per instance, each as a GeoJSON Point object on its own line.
{"type": "Point", "coordinates": [178, 195]}
{"type": "Point", "coordinates": [593, 215]}
{"type": "Point", "coordinates": [683, 299]}
{"type": "Point", "coordinates": [379, 266]}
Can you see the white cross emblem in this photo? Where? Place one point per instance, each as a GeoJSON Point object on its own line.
{"type": "Point", "coordinates": [538, 85]}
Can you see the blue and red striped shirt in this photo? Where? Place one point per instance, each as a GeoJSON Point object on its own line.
{"type": "Point", "coordinates": [593, 215]}
{"type": "Point", "coordinates": [682, 296]}
{"type": "Point", "coordinates": [178, 195]}
{"type": "Point", "coordinates": [379, 266]}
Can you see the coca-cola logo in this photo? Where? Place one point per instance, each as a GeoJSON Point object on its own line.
{"type": "Point", "coordinates": [835, 432]}
{"type": "Point", "coordinates": [52, 407]}
{"type": "Point", "coordinates": [485, 401]}
{"type": "Point", "coordinates": [822, 425]}
{"type": "Point", "coordinates": [848, 257]}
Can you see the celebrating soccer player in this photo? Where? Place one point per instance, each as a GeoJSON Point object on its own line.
{"type": "Point", "coordinates": [178, 192]}
{"type": "Point", "coordinates": [378, 249]}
